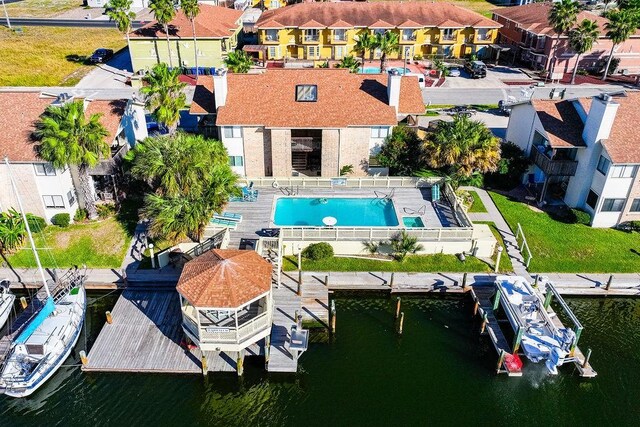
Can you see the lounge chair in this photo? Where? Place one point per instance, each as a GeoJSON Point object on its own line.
{"type": "Point", "coordinates": [224, 223]}
{"type": "Point", "coordinates": [270, 232]}
{"type": "Point", "coordinates": [249, 195]}
{"type": "Point", "coordinates": [229, 216]}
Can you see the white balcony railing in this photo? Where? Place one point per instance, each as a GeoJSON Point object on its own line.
{"type": "Point", "coordinates": [213, 334]}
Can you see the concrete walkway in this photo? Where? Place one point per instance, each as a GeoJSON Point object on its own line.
{"type": "Point", "coordinates": [494, 215]}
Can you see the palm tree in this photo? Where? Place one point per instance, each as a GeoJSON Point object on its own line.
{"type": "Point", "coordinates": [562, 17]}
{"type": "Point", "coordinates": [164, 96]}
{"type": "Point", "coordinates": [462, 147]}
{"type": "Point", "coordinates": [238, 61]}
{"type": "Point", "coordinates": [12, 230]}
{"type": "Point", "coordinates": [191, 11]}
{"type": "Point", "coordinates": [619, 28]}
{"type": "Point", "coordinates": [581, 40]}
{"type": "Point", "coordinates": [119, 11]}
{"type": "Point", "coordinates": [387, 42]}
{"type": "Point", "coordinates": [164, 12]}
{"type": "Point", "coordinates": [65, 136]}
{"type": "Point", "coordinates": [364, 43]}
{"type": "Point", "coordinates": [349, 62]}
{"type": "Point", "coordinates": [190, 179]}
{"type": "Point", "coordinates": [403, 244]}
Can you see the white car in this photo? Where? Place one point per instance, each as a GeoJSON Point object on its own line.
{"type": "Point", "coordinates": [454, 71]}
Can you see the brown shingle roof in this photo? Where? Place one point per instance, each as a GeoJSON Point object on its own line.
{"type": "Point", "coordinates": [211, 22]}
{"type": "Point", "coordinates": [18, 115]}
{"type": "Point", "coordinates": [19, 112]}
{"type": "Point", "coordinates": [344, 99]}
{"type": "Point", "coordinates": [623, 142]}
{"type": "Point", "coordinates": [534, 17]}
{"type": "Point", "coordinates": [225, 278]}
{"type": "Point", "coordinates": [364, 14]}
{"type": "Point", "coordinates": [561, 122]}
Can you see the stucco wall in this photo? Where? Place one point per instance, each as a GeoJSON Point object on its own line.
{"type": "Point", "coordinates": [354, 149]}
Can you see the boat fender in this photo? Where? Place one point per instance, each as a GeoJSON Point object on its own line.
{"type": "Point", "coordinates": [275, 184]}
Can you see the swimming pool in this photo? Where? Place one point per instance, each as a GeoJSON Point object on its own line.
{"type": "Point", "coordinates": [412, 222]}
{"type": "Point", "coordinates": [349, 212]}
{"type": "Point", "coordinates": [369, 70]}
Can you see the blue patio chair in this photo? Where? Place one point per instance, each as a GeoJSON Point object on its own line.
{"type": "Point", "coordinates": [249, 195]}
{"type": "Point", "coordinates": [201, 71]}
{"type": "Point", "coordinates": [213, 71]}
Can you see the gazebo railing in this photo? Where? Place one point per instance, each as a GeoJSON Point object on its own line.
{"type": "Point", "coordinates": [210, 334]}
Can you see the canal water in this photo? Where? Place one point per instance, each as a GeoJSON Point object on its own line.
{"type": "Point", "coordinates": [439, 372]}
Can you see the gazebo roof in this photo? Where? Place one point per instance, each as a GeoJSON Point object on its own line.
{"type": "Point", "coordinates": [225, 278]}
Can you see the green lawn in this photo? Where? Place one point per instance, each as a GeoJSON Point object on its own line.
{"type": "Point", "coordinates": [97, 244]}
{"type": "Point", "coordinates": [571, 248]}
{"type": "Point", "coordinates": [505, 261]}
{"type": "Point", "coordinates": [416, 263]}
{"type": "Point", "coordinates": [477, 206]}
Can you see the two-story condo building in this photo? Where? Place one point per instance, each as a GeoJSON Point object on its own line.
{"type": "Point", "coordinates": [320, 31]}
{"type": "Point", "coordinates": [527, 28]}
{"type": "Point", "coordinates": [584, 152]}
{"type": "Point", "coordinates": [217, 31]}
{"type": "Point", "coordinates": [305, 121]}
{"type": "Point", "coordinates": [47, 191]}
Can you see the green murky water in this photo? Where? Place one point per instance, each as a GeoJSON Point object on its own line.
{"type": "Point", "coordinates": [439, 372]}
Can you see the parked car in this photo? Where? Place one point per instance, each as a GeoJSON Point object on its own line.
{"type": "Point", "coordinates": [454, 71]}
{"type": "Point", "coordinates": [101, 55]}
{"type": "Point", "coordinates": [476, 69]}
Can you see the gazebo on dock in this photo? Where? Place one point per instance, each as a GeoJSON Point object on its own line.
{"type": "Point", "coordinates": [226, 300]}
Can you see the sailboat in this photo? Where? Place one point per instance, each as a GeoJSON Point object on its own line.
{"type": "Point", "coordinates": [6, 302]}
{"type": "Point", "coordinates": [48, 338]}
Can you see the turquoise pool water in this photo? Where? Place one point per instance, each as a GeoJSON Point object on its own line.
{"type": "Point", "coordinates": [350, 212]}
{"type": "Point", "coordinates": [412, 221]}
{"type": "Point", "coordinates": [369, 70]}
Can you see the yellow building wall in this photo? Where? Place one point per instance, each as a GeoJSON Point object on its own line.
{"type": "Point", "coordinates": [428, 40]}
{"type": "Point", "coordinates": [268, 4]}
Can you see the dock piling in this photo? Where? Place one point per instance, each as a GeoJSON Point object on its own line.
{"type": "Point", "coordinates": [333, 316]}
{"type": "Point", "coordinates": [83, 358]}
{"type": "Point", "coordinates": [392, 280]}
{"type": "Point", "coordinates": [401, 323]}
{"type": "Point", "coordinates": [517, 339]}
{"type": "Point", "coordinates": [500, 249]}
{"type": "Point", "coordinates": [326, 281]}
{"type": "Point", "coordinates": [109, 317]}
{"type": "Point", "coordinates": [267, 344]}
{"type": "Point", "coordinates": [485, 320]}
{"type": "Point", "coordinates": [398, 303]}
{"type": "Point", "coordinates": [500, 360]}
{"type": "Point", "coordinates": [240, 363]}
{"type": "Point", "coordinates": [476, 306]}
{"type": "Point", "coordinates": [586, 359]}
{"type": "Point", "coordinates": [23, 302]}
{"type": "Point", "coordinates": [204, 364]}
{"type": "Point", "coordinates": [299, 282]}
{"type": "Point", "coordinates": [464, 281]}
{"type": "Point", "coordinates": [609, 282]}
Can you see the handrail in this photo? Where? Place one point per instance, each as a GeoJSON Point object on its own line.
{"type": "Point", "coordinates": [523, 245]}
{"type": "Point", "coordinates": [350, 182]}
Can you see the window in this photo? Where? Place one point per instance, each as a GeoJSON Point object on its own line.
{"type": "Point", "coordinates": [71, 197]}
{"type": "Point", "coordinates": [274, 52]}
{"type": "Point", "coordinates": [45, 169]}
{"type": "Point", "coordinates": [224, 45]}
{"type": "Point", "coordinates": [311, 35]}
{"type": "Point", "coordinates": [232, 132]}
{"type": "Point", "coordinates": [612, 205]}
{"type": "Point", "coordinates": [380, 31]}
{"type": "Point", "coordinates": [275, 4]}
{"type": "Point", "coordinates": [592, 199]}
{"type": "Point", "coordinates": [53, 201]}
{"type": "Point", "coordinates": [635, 205]}
{"type": "Point", "coordinates": [379, 132]}
{"type": "Point", "coordinates": [338, 52]}
{"type": "Point", "coordinates": [313, 52]}
{"type": "Point", "coordinates": [236, 161]}
{"type": "Point", "coordinates": [448, 33]}
{"type": "Point", "coordinates": [306, 93]}
{"type": "Point", "coordinates": [340, 35]}
{"type": "Point", "coordinates": [407, 52]}
{"type": "Point", "coordinates": [624, 171]}
{"type": "Point", "coordinates": [408, 35]}
{"type": "Point", "coordinates": [482, 34]}
{"type": "Point", "coordinates": [603, 165]}
{"type": "Point", "coordinates": [271, 35]}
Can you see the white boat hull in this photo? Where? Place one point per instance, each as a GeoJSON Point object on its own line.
{"type": "Point", "coordinates": [18, 383]}
{"type": "Point", "coordinates": [6, 303]}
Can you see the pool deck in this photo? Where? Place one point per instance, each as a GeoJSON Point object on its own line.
{"type": "Point", "coordinates": [258, 215]}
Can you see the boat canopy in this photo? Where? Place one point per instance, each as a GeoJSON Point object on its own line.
{"type": "Point", "coordinates": [37, 321]}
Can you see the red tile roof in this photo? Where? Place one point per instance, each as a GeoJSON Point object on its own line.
{"type": "Point", "coordinates": [561, 122]}
{"type": "Point", "coordinates": [622, 144]}
{"type": "Point", "coordinates": [365, 14]}
{"type": "Point", "coordinates": [225, 278]}
{"type": "Point", "coordinates": [212, 22]}
{"type": "Point", "coordinates": [534, 17]}
{"type": "Point", "coordinates": [19, 112]}
{"type": "Point", "coordinates": [344, 99]}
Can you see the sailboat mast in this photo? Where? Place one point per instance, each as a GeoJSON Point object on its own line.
{"type": "Point", "coordinates": [26, 224]}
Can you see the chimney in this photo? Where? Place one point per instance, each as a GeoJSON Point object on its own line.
{"type": "Point", "coordinates": [599, 119]}
{"type": "Point", "coordinates": [220, 87]}
{"type": "Point", "coordinates": [393, 90]}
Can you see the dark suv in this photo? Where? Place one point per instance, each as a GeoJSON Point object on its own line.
{"type": "Point", "coordinates": [476, 69]}
{"type": "Point", "coordinates": [101, 55]}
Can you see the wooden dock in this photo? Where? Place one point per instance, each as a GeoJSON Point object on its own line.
{"type": "Point", "coordinates": [481, 296]}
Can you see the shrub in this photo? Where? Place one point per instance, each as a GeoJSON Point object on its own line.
{"type": "Point", "coordinates": [582, 217]}
{"type": "Point", "coordinates": [403, 244]}
{"type": "Point", "coordinates": [61, 219]}
{"type": "Point", "coordinates": [318, 251]}
{"type": "Point", "coordinates": [81, 215]}
{"type": "Point", "coordinates": [36, 223]}
{"type": "Point", "coordinates": [512, 165]}
{"type": "Point", "coordinates": [106, 210]}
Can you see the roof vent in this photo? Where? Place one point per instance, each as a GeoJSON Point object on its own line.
{"type": "Point", "coordinates": [605, 97]}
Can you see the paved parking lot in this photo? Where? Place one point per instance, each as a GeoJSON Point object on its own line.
{"type": "Point", "coordinates": [496, 77]}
